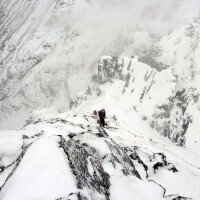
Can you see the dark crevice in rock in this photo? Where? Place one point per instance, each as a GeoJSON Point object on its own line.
{"type": "Point", "coordinates": [80, 156]}
{"type": "Point", "coordinates": [142, 95]}
{"type": "Point", "coordinates": [134, 155]}
{"type": "Point", "coordinates": [120, 156]}
{"type": "Point", "coordinates": [77, 195]}
{"type": "Point", "coordinates": [102, 132]}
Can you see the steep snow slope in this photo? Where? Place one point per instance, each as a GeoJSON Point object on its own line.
{"type": "Point", "coordinates": [68, 156]}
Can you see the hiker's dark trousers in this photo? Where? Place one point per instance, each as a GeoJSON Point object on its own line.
{"type": "Point", "coordinates": [102, 121]}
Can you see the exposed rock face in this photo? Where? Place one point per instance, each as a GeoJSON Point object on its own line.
{"type": "Point", "coordinates": [171, 119]}
{"type": "Point", "coordinates": [81, 156]}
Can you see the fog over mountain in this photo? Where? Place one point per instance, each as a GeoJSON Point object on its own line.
{"type": "Point", "coordinates": [40, 37]}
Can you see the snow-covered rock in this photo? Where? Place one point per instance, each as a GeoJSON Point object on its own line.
{"type": "Point", "coordinates": [68, 156]}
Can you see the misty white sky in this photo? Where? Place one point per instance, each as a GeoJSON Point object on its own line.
{"type": "Point", "coordinates": [158, 16]}
{"type": "Point", "coordinates": [131, 22]}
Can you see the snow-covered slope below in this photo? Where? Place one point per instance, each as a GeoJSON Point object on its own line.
{"type": "Point", "coordinates": [68, 156]}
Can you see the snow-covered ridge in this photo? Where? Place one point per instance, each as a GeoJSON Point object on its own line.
{"type": "Point", "coordinates": [69, 156]}
{"type": "Point", "coordinates": [155, 96]}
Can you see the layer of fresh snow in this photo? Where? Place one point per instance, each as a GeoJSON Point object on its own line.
{"type": "Point", "coordinates": [43, 173]}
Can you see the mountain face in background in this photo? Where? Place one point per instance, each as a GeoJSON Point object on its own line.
{"type": "Point", "coordinates": [32, 35]}
{"type": "Point", "coordinates": [45, 44]}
